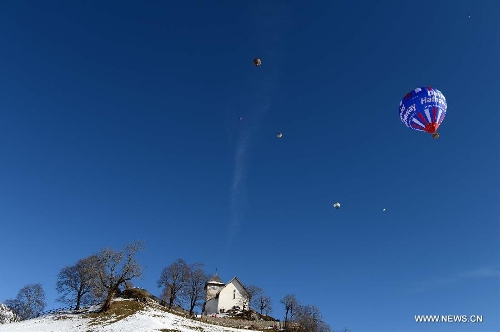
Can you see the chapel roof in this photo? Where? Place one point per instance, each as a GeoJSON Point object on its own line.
{"type": "Point", "coordinates": [215, 279]}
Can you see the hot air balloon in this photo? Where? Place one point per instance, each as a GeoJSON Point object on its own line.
{"type": "Point", "coordinates": [336, 205]}
{"type": "Point", "coordinates": [257, 62]}
{"type": "Point", "coordinates": [423, 109]}
{"type": "Point", "coordinates": [279, 135]}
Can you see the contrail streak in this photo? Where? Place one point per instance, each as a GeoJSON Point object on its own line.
{"type": "Point", "coordinates": [237, 195]}
{"type": "Point", "coordinates": [275, 20]}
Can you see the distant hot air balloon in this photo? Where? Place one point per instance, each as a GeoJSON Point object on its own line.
{"type": "Point", "coordinates": [257, 62]}
{"type": "Point", "coordinates": [279, 135]}
{"type": "Point", "coordinates": [423, 109]}
{"type": "Point", "coordinates": [336, 205]}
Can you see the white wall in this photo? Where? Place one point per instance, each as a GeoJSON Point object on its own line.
{"type": "Point", "coordinates": [226, 300]}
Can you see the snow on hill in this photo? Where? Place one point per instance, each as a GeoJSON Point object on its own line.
{"type": "Point", "coordinates": [6, 315]}
{"type": "Point", "coordinates": [125, 316]}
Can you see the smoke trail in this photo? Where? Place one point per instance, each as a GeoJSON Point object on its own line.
{"type": "Point", "coordinates": [237, 186]}
{"type": "Point", "coordinates": [238, 191]}
{"type": "Point", "coordinates": [269, 19]}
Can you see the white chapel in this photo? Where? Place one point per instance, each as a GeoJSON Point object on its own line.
{"type": "Point", "coordinates": [221, 297]}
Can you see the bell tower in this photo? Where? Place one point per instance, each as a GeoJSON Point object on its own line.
{"type": "Point", "coordinates": [213, 286]}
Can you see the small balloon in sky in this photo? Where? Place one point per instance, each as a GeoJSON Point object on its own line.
{"type": "Point", "coordinates": [279, 135]}
{"type": "Point", "coordinates": [469, 15]}
{"type": "Point", "coordinates": [257, 62]}
{"type": "Point", "coordinates": [383, 210]}
{"type": "Point", "coordinates": [336, 205]}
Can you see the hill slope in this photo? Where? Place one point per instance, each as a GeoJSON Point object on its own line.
{"type": "Point", "coordinates": [6, 315]}
{"type": "Point", "coordinates": [124, 316]}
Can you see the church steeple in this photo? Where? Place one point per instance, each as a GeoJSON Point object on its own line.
{"type": "Point", "coordinates": [213, 286]}
{"type": "Point", "coordinates": [215, 279]}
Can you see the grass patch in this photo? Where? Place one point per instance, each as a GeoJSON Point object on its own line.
{"type": "Point", "coordinates": [117, 311]}
{"type": "Point", "coordinates": [136, 293]}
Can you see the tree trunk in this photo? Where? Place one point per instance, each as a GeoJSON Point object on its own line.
{"type": "Point", "coordinates": [170, 301]}
{"type": "Point", "coordinates": [109, 299]}
{"type": "Point", "coordinates": [78, 300]}
{"type": "Point", "coordinates": [286, 317]}
{"type": "Point", "coordinates": [191, 308]}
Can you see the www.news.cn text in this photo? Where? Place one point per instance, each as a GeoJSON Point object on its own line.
{"type": "Point", "coordinates": [448, 319]}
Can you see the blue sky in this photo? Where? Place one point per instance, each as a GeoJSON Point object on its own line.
{"type": "Point", "coordinates": [119, 122]}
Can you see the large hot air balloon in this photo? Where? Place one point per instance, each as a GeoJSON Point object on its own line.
{"type": "Point", "coordinates": [423, 109]}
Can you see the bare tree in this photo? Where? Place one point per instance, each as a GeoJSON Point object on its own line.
{"type": "Point", "coordinates": [306, 318]}
{"type": "Point", "coordinates": [99, 291]}
{"type": "Point", "coordinates": [263, 304]}
{"type": "Point", "coordinates": [29, 302]}
{"type": "Point", "coordinates": [165, 296]}
{"type": "Point", "coordinates": [114, 268]}
{"type": "Point", "coordinates": [76, 283]}
{"type": "Point", "coordinates": [310, 320]}
{"type": "Point", "coordinates": [291, 305]}
{"type": "Point", "coordinates": [128, 284]}
{"type": "Point", "coordinates": [251, 293]}
{"type": "Point", "coordinates": [194, 290]}
{"type": "Point", "coordinates": [324, 327]}
{"type": "Point", "coordinates": [173, 278]}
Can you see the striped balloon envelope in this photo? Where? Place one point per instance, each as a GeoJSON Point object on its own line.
{"type": "Point", "coordinates": [423, 109]}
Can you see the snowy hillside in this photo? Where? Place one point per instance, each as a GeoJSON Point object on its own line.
{"type": "Point", "coordinates": [128, 315]}
{"type": "Point", "coordinates": [6, 315]}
